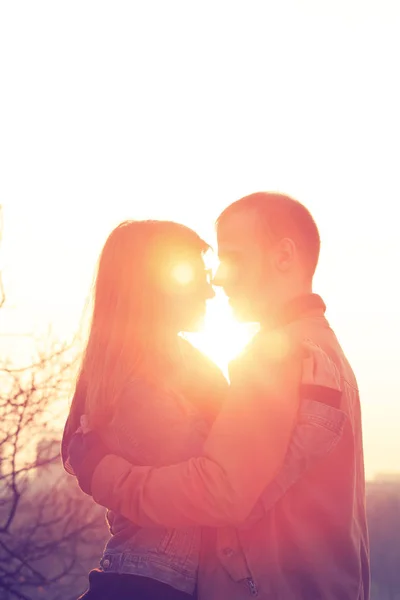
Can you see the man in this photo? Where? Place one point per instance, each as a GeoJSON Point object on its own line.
{"type": "Point", "coordinates": [281, 478]}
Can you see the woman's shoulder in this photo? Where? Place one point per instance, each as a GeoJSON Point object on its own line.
{"type": "Point", "coordinates": [153, 424]}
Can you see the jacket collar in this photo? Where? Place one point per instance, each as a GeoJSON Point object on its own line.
{"type": "Point", "coordinates": [299, 307]}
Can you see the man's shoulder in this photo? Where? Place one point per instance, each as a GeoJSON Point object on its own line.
{"type": "Point", "coordinates": [275, 346]}
{"type": "Point", "coordinates": [318, 332]}
{"type": "Point", "coordinates": [282, 349]}
{"type": "Point", "coordinates": [268, 352]}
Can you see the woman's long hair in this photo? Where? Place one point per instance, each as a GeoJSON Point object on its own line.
{"type": "Point", "coordinates": [130, 330]}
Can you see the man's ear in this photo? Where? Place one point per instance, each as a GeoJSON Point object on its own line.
{"type": "Point", "coordinates": [285, 253]}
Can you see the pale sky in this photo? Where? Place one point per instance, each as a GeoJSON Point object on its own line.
{"type": "Point", "coordinates": [114, 110]}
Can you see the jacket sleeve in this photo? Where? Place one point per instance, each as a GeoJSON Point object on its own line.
{"type": "Point", "coordinates": [242, 455]}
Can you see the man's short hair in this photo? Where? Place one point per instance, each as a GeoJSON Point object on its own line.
{"type": "Point", "coordinates": [281, 216]}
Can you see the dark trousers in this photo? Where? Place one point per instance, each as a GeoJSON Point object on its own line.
{"type": "Point", "coordinates": [115, 586]}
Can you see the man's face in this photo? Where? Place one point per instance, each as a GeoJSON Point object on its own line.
{"type": "Point", "coordinates": [245, 272]}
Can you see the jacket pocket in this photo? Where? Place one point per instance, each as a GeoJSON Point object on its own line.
{"type": "Point", "coordinates": [181, 546]}
{"type": "Point", "coordinates": [317, 432]}
{"type": "Point", "coordinates": [168, 542]}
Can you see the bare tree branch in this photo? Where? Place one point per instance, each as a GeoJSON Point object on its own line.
{"type": "Point", "coordinates": [50, 534]}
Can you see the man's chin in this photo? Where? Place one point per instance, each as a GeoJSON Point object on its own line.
{"type": "Point", "coordinates": [241, 312]}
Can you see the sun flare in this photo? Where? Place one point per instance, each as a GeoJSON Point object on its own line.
{"type": "Point", "coordinates": [222, 337]}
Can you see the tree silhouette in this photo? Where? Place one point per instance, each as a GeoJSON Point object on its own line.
{"type": "Point", "coordinates": [50, 534]}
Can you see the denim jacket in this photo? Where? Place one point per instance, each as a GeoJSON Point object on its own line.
{"type": "Point", "coordinates": [307, 538]}
{"type": "Point", "coordinates": [157, 426]}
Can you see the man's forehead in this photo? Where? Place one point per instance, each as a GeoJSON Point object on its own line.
{"type": "Point", "coordinates": [237, 229]}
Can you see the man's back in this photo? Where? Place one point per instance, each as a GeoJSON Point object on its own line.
{"type": "Point", "coordinates": [312, 542]}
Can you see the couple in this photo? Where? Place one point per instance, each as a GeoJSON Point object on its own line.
{"type": "Point", "coordinates": [220, 492]}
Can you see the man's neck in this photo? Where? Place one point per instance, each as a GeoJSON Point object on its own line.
{"type": "Point", "coordinates": [293, 308]}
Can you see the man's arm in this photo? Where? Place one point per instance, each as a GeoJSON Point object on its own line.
{"type": "Point", "coordinates": [242, 455]}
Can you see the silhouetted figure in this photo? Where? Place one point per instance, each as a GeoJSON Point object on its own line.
{"type": "Point", "coordinates": [148, 394]}
{"type": "Point", "coordinates": [280, 481]}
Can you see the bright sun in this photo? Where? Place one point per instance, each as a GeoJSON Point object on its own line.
{"type": "Point", "coordinates": [222, 337]}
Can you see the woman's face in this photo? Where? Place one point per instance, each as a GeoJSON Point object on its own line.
{"type": "Point", "coordinates": [189, 287]}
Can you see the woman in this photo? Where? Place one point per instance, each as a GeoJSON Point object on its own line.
{"type": "Point", "coordinates": [147, 392]}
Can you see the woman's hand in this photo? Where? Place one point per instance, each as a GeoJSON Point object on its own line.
{"type": "Point", "coordinates": [85, 451]}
